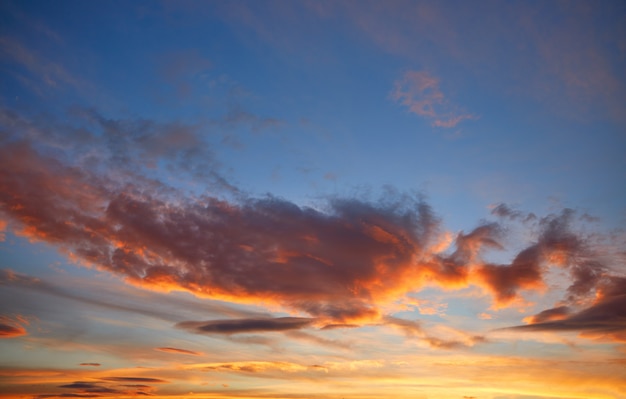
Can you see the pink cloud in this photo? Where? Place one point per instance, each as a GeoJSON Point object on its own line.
{"type": "Point", "coordinates": [419, 91]}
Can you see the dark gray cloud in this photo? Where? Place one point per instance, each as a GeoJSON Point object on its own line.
{"type": "Point", "coordinates": [135, 379]}
{"type": "Point", "coordinates": [246, 325]}
{"type": "Point", "coordinates": [605, 318]}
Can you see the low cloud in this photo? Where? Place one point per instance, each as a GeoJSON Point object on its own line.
{"type": "Point", "coordinates": [338, 263]}
{"type": "Point", "coordinates": [604, 319]}
{"type": "Point", "coordinates": [246, 325]}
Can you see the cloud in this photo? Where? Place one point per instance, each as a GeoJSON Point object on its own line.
{"type": "Point", "coordinates": [90, 364]}
{"type": "Point", "coordinates": [556, 245]}
{"type": "Point", "coordinates": [419, 91]}
{"type": "Point", "coordinates": [604, 319]}
{"type": "Point", "coordinates": [3, 227]}
{"type": "Point", "coordinates": [338, 263]}
{"type": "Point", "coordinates": [246, 325]}
{"type": "Point", "coordinates": [255, 367]}
{"type": "Point", "coordinates": [558, 313]}
{"type": "Point", "coordinates": [136, 379]}
{"type": "Point", "coordinates": [43, 70]}
{"type": "Point", "coordinates": [12, 327]}
{"type": "Point", "coordinates": [105, 387]}
{"type": "Point", "coordinates": [11, 331]}
{"type": "Point", "coordinates": [237, 116]}
{"type": "Point", "coordinates": [179, 351]}
{"type": "Point", "coordinates": [448, 339]}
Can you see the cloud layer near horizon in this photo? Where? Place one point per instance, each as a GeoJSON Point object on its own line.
{"type": "Point", "coordinates": [339, 263]}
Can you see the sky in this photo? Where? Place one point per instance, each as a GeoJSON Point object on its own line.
{"type": "Point", "coordinates": [313, 199]}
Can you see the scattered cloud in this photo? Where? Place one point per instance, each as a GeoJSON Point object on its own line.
{"type": "Point", "coordinates": [338, 263]}
{"type": "Point", "coordinates": [90, 364]}
{"type": "Point", "coordinates": [419, 91]}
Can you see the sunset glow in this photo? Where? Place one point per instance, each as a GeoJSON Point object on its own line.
{"type": "Point", "coordinates": [313, 199]}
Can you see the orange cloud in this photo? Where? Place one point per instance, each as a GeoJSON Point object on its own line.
{"type": "Point", "coordinates": [340, 266]}
{"type": "Point", "coordinates": [3, 227]}
{"type": "Point", "coordinates": [12, 327]}
{"type": "Point", "coordinates": [605, 319]}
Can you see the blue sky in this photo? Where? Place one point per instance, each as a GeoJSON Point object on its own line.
{"type": "Point", "coordinates": [279, 198]}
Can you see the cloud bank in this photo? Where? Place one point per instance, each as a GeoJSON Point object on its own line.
{"type": "Point", "coordinates": [338, 263]}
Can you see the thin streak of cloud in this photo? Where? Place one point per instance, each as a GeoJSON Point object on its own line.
{"type": "Point", "coordinates": [52, 74]}
{"type": "Point", "coordinates": [604, 319]}
{"type": "Point", "coordinates": [245, 325]}
{"type": "Point", "coordinates": [179, 351]}
{"type": "Point", "coordinates": [136, 379]}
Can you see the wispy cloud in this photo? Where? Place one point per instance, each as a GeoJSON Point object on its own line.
{"type": "Point", "coordinates": [11, 327]}
{"type": "Point", "coordinates": [419, 91]}
{"type": "Point", "coordinates": [38, 73]}
{"type": "Point", "coordinates": [179, 351]}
